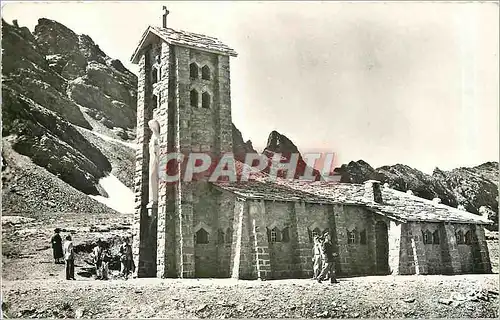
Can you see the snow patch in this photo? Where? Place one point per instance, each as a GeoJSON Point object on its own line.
{"type": "Point", "coordinates": [120, 197]}
{"type": "Point", "coordinates": [110, 139]}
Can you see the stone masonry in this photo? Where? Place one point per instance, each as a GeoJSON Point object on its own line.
{"type": "Point", "coordinates": [187, 90]}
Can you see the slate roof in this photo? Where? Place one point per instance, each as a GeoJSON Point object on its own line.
{"type": "Point", "coordinates": [396, 205]}
{"type": "Point", "coordinates": [185, 39]}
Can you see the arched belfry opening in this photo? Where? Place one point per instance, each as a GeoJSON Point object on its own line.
{"type": "Point", "coordinates": [194, 98]}
{"type": "Point", "coordinates": [205, 100]}
{"type": "Point", "coordinates": [205, 73]}
{"type": "Point", "coordinates": [193, 71]}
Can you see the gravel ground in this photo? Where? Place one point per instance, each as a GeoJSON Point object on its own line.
{"type": "Point", "coordinates": [373, 297]}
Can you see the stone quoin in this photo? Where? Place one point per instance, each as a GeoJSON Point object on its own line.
{"type": "Point", "coordinates": [264, 228]}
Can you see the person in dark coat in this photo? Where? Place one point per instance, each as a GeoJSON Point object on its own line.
{"type": "Point", "coordinates": [126, 258]}
{"type": "Point", "coordinates": [57, 246]}
{"type": "Point", "coordinates": [328, 257]}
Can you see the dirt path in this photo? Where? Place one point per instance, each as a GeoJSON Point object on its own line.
{"type": "Point", "coordinates": [373, 297]}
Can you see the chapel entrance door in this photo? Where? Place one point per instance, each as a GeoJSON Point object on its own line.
{"type": "Point", "coordinates": [382, 248]}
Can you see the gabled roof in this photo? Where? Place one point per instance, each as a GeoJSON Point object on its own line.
{"type": "Point", "coordinates": [396, 205]}
{"type": "Point", "coordinates": [184, 39]}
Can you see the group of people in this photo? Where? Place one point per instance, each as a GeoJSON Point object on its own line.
{"type": "Point", "coordinates": [64, 253]}
{"type": "Point", "coordinates": [101, 257]}
{"type": "Point", "coordinates": [324, 259]}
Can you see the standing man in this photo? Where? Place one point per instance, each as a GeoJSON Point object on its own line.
{"type": "Point", "coordinates": [57, 246]}
{"type": "Point", "coordinates": [97, 259]}
{"type": "Point", "coordinates": [69, 256]}
{"type": "Point", "coordinates": [316, 257]}
{"type": "Point", "coordinates": [106, 258]}
{"type": "Point", "coordinates": [328, 256]}
{"type": "Point", "coordinates": [126, 258]}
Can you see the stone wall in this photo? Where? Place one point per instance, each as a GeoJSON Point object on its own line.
{"type": "Point", "coordinates": [144, 234]}
{"type": "Point", "coordinates": [280, 217]}
{"type": "Point", "coordinates": [243, 263]}
{"type": "Point", "coordinates": [225, 223]}
{"type": "Point", "coordinates": [212, 212]}
{"type": "Point", "coordinates": [445, 256]}
{"type": "Point", "coordinates": [356, 258]}
{"type": "Point", "coordinates": [164, 239]}
{"type": "Point", "coordinates": [367, 243]}
{"type": "Point", "coordinates": [263, 256]}
{"type": "Point", "coordinates": [309, 217]}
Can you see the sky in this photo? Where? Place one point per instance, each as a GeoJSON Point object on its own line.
{"type": "Point", "coordinates": [386, 82]}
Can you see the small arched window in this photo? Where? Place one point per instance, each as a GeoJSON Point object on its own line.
{"type": "Point", "coordinates": [220, 236]}
{"type": "Point", "coordinates": [362, 237]}
{"type": "Point", "coordinates": [435, 237]}
{"type": "Point", "coordinates": [460, 237]}
{"type": "Point", "coordinates": [194, 98]}
{"type": "Point", "coordinates": [229, 235]}
{"type": "Point", "coordinates": [427, 237]}
{"type": "Point", "coordinates": [205, 73]}
{"type": "Point", "coordinates": [193, 71]}
{"type": "Point", "coordinates": [285, 235]}
{"type": "Point", "coordinates": [205, 100]}
{"type": "Point", "coordinates": [201, 237]}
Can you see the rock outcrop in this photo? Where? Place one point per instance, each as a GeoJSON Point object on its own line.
{"type": "Point", "coordinates": [56, 84]}
{"type": "Point", "coordinates": [240, 147]}
{"type": "Point", "coordinates": [280, 144]}
{"type": "Point", "coordinates": [95, 81]}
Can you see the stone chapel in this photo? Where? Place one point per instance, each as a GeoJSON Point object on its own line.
{"type": "Point", "coordinates": [263, 229]}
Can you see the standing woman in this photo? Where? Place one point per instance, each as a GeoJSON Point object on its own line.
{"type": "Point", "coordinates": [57, 247]}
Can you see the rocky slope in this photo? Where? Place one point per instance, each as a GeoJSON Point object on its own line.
{"type": "Point", "coordinates": [476, 189]}
{"type": "Point", "coordinates": [56, 86]}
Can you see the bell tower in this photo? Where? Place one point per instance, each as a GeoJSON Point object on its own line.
{"type": "Point", "coordinates": [184, 84]}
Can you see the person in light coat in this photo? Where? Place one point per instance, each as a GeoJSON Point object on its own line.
{"type": "Point", "coordinates": [317, 263]}
{"type": "Point", "coordinates": [69, 257]}
{"type": "Point", "coordinates": [97, 259]}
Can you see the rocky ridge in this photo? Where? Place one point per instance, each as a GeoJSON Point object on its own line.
{"type": "Point", "coordinates": [475, 189]}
